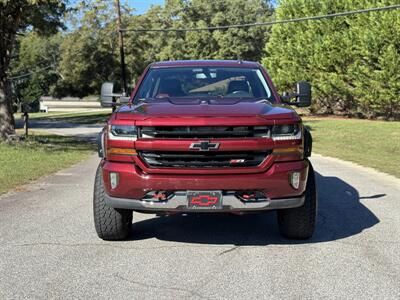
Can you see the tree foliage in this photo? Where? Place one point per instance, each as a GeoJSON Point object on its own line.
{"type": "Point", "coordinates": [36, 70]}
{"type": "Point", "coordinates": [352, 62]}
{"type": "Point", "coordinates": [17, 16]}
{"type": "Point", "coordinates": [89, 53]}
{"type": "Point", "coordinates": [234, 43]}
{"type": "Point", "coordinates": [90, 56]}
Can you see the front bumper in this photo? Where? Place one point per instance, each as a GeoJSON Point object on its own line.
{"type": "Point", "coordinates": [178, 203]}
{"type": "Point", "coordinates": [134, 184]}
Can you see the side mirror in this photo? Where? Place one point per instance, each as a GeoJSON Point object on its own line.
{"type": "Point", "coordinates": [303, 91]}
{"type": "Point", "coordinates": [302, 95]}
{"type": "Point", "coordinates": [108, 98]}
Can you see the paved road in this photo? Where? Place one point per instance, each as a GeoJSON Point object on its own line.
{"type": "Point", "coordinates": [49, 249]}
{"type": "Point", "coordinates": [86, 132]}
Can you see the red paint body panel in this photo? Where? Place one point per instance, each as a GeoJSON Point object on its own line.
{"type": "Point", "coordinates": [271, 176]}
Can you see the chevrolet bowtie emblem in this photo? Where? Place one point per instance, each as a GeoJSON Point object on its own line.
{"type": "Point", "coordinates": [204, 146]}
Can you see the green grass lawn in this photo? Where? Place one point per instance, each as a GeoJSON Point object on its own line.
{"type": "Point", "coordinates": [373, 144]}
{"type": "Point", "coordinates": [39, 155]}
{"type": "Point", "coordinates": [94, 117]}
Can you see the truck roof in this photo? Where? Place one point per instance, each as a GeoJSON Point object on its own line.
{"type": "Point", "coordinates": [204, 63]}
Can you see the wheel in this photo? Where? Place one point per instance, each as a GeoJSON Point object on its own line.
{"type": "Point", "coordinates": [110, 223]}
{"type": "Point", "coordinates": [299, 222]}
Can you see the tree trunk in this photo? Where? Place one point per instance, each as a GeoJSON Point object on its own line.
{"type": "Point", "coordinates": [6, 109]}
{"type": "Point", "coordinates": [9, 19]}
{"type": "Point", "coordinates": [10, 14]}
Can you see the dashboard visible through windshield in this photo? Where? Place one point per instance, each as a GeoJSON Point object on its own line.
{"type": "Point", "coordinates": [204, 83]}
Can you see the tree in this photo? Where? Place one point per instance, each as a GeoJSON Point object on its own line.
{"type": "Point", "coordinates": [35, 68]}
{"type": "Point", "coordinates": [245, 43]}
{"type": "Point", "coordinates": [89, 53]}
{"type": "Point", "coordinates": [377, 67]}
{"type": "Point", "coordinates": [311, 50]}
{"type": "Point", "coordinates": [234, 43]}
{"type": "Point", "coordinates": [94, 57]}
{"type": "Point", "coordinates": [17, 16]}
{"type": "Point", "coordinates": [352, 62]}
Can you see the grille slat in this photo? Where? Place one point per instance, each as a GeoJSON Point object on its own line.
{"type": "Point", "coordinates": [188, 155]}
{"type": "Point", "coordinates": [202, 131]}
{"type": "Point", "coordinates": [184, 159]}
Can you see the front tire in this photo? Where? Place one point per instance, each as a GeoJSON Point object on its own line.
{"type": "Point", "coordinates": [111, 224]}
{"type": "Point", "coordinates": [299, 222]}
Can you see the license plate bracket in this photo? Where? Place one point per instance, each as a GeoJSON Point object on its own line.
{"type": "Point", "coordinates": [204, 199]}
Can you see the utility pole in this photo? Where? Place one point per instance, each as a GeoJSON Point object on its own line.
{"type": "Point", "coordinates": [121, 48]}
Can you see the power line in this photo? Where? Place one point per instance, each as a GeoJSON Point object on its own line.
{"type": "Point", "coordinates": [36, 64]}
{"type": "Point", "coordinates": [30, 73]}
{"type": "Point", "coordinates": [224, 27]}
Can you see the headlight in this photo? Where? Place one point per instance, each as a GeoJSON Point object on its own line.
{"type": "Point", "coordinates": [122, 132]}
{"type": "Point", "coordinates": [286, 132]}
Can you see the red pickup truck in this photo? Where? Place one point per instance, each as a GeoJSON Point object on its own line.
{"type": "Point", "coordinates": [205, 136]}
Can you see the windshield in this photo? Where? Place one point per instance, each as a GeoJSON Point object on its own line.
{"type": "Point", "coordinates": [204, 82]}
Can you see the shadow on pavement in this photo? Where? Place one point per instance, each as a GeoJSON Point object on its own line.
{"type": "Point", "coordinates": [340, 215]}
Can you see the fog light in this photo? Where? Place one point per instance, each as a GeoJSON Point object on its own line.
{"type": "Point", "coordinates": [295, 180]}
{"type": "Point", "coordinates": [114, 178]}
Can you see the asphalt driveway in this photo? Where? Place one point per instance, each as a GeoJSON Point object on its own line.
{"type": "Point", "coordinates": [87, 132]}
{"type": "Point", "coordinates": [49, 249]}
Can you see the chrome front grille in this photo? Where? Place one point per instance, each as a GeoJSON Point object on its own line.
{"type": "Point", "coordinates": [201, 132]}
{"type": "Point", "coordinates": [194, 159]}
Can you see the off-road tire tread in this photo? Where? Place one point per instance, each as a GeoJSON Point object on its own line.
{"type": "Point", "coordinates": [110, 223]}
{"type": "Point", "coordinates": [299, 223]}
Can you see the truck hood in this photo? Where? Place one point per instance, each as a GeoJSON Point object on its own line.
{"type": "Point", "coordinates": [225, 108]}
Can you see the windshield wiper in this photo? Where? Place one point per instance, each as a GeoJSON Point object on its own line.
{"type": "Point", "coordinates": [143, 99]}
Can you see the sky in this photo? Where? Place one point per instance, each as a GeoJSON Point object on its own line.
{"type": "Point", "coordinates": [141, 6]}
